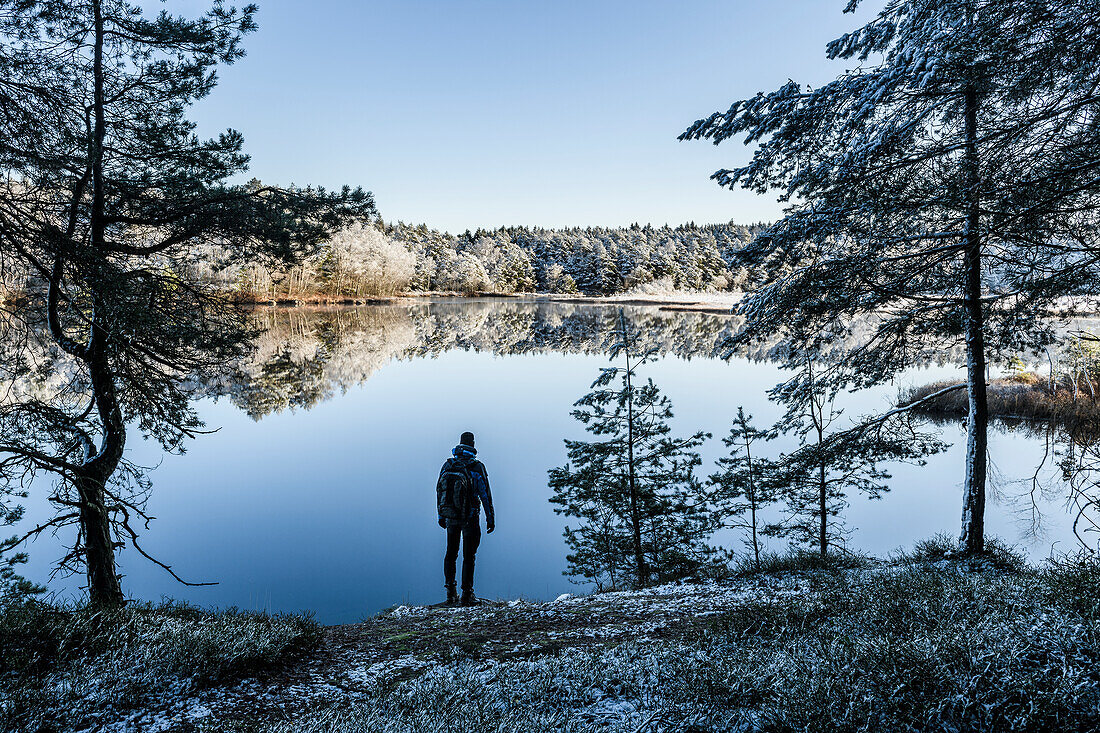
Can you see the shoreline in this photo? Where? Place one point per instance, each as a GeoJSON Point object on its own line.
{"type": "Point", "coordinates": [714, 303]}
{"type": "Point", "coordinates": [1027, 397]}
{"type": "Point", "coordinates": [718, 303]}
{"type": "Point", "coordinates": [781, 635]}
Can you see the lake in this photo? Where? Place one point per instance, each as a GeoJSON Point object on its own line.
{"type": "Point", "coordinates": [317, 490]}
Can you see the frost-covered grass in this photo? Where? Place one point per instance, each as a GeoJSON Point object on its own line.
{"type": "Point", "coordinates": [923, 645]}
{"type": "Point", "coordinates": [943, 547]}
{"type": "Point", "coordinates": [66, 667]}
{"type": "Point", "coordinates": [921, 642]}
{"type": "Point", "coordinates": [798, 560]}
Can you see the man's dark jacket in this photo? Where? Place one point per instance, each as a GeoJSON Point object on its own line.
{"type": "Point", "coordinates": [466, 457]}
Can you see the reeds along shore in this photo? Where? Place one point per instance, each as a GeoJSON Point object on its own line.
{"type": "Point", "coordinates": [1067, 399]}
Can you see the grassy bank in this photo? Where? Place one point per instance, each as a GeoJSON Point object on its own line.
{"type": "Point", "coordinates": [1023, 396]}
{"type": "Point", "coordinates": [72, 668]}
{"type": "Point", "coordinates": [917, 642]}
{"type": "Point", "coordinates": [920, 645]}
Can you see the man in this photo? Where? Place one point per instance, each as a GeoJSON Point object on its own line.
{"type": "Point", "coordinates": [462, 488]}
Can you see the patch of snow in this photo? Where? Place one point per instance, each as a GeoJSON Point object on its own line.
{"type": "Point", "coordinates": [387, 670]}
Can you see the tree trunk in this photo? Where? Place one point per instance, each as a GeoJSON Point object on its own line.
{"type": "Point", "coordinates": [99, 552]}
{"type": "Point", "coordinates": [752, 499]}
{"type": "Point", "coordinates": [823, 537]}
{"type": "Point", "coordinates": [635, 513]}
{"type": "Point", "coordinates": [91, 480]}
{"type": "Point", "coordinates": [817, 415]}
{"type": "Point", "coordinates": [972, 539]}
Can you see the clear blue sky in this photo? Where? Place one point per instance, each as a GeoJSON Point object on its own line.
{"type": "Point", "coordinates": [468, 113]}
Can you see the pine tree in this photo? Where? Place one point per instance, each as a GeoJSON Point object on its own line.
{"type": "Point", "coordinates": [107, 195]}
{"type": "Point", "coordinates": [744, 483]}
{"type": "Point", "coordinates": [944, 191]}
{"type": "Point", "coordinates": [641, 506]}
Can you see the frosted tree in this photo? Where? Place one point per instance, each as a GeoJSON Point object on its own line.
{"type": "Point", "coordinates": [506, 265]}
{"type": "Point", "coordinates": [361, 261]}
{"type": "Point", "coordinates": [556, 280]}
{"type": "Point", "coordinates": [594, 260]}
{"type": "Point", "coordinates": [463, 274]}
{"type": "Point", "coordinates": [744, 483]}
{"type": "Point", "coordinates": [365, 261]}
{"type": "Point", "coordinates": [944, 190]}
{"type": "Point", "coordinates": [634, 488]}
{"type": "Point", "coordinates": [106, 194]}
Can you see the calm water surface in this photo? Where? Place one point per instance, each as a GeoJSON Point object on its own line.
{"type": "Point", "coordinates": [317, 491]}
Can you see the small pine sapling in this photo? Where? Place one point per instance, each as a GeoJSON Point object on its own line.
{"type": "Point", "coordinates": [642, 508]}
{"type": "Point", "coordinates": [744, 484]}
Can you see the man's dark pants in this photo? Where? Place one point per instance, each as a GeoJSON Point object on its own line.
{"type": "Point", "coordinates": [470, 535]}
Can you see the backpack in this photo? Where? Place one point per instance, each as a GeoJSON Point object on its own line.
{"type": "Point", "coordinates": [453, 491]}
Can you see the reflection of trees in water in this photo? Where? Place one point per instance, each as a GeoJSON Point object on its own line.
{"type": "Point", "coordinates": [305, 356]}
{"type": "Point", "coordinates": [526, 328]}
{"type": "Point", "coordinates": [1066, 475]}
{"type": "Point", "coordinates": [1074, 453]}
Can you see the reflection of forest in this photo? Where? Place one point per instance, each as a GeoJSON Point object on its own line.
{"type": "Point", "coordinates": [304, 356]}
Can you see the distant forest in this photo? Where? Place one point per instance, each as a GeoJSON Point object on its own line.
{"type": "Point", "coordinates": [382, 258]}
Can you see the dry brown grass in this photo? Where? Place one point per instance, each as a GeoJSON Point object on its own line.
{"type": "Point", "coordinates": [1023, 396]}
{"type": "Point", "coordinates": [10, 296]}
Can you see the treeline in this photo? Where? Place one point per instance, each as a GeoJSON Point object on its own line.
{"type": "Point", "coordinates": [388, 258]}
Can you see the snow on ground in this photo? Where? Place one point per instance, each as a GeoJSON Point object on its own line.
{"type": "Point", "coordinates": [716, 302]}
{"type": "Point", "coordinates": [409, 642]}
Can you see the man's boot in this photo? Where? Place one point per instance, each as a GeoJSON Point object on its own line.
{"type": "Point", "coordinates": [452, 595]}
{"type": "Point", "coordinates": [468, 598]}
